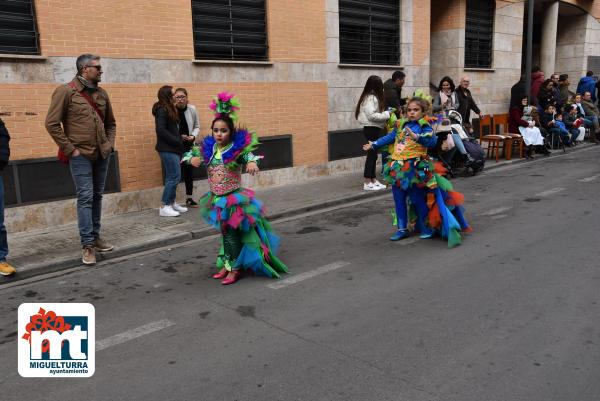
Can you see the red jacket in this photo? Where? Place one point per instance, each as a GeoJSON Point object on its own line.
{"type": "Point", "coordinates": [536, 81]}
{"type": "Point", "coordinates": [516, 120]}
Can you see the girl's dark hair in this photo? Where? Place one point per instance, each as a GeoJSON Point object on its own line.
{"type": "Point", "coordinates": [165, 101]}
{"type": "Point", "coordinates": [374, 86]}
{"type": "Point", "coordinates": [450, 81]}
{"type": "Point", "coordinates": [520, 104]}
{"type": "Point", "coordinates": [423, 104]}
{"type": "Point", "coordinates": [546, 82]}
{"type": "Point", "coordinates": [227, 120]}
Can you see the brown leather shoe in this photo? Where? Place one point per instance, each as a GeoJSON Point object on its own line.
{"type": "Point", "coordinates": [102, 246]}
{"type": "Point", "coordinates": [89, 255]}
{"type": "Point", "coordinates": [6, 269]}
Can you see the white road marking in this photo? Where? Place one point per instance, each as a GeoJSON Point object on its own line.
{"type": "Point", "coordinates": [589, 179]}
{"type": "Point", "coordinates": [550, 192]}
{"type": "Point", "coordinates": [495, 211]}
{"type": "Point", "coordinates": [133, 334]}
{"type": "Point", "coordinates": [306, 275]}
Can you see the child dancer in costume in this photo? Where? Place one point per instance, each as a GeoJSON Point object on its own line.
{"type": "Point", "coordinates": [413, 175]}
{"type": "Point", "coordinates": [247, 241]}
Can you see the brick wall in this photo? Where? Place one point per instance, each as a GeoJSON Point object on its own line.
{"type": "Point", "coordinates": [129, 29]}
{"type": "Point", "coordinates": [421, 31]}
{"type": "Point", "coordinates": [297, 31]}
{"type": "Point", "coordinates": [447, 14]}
{"type": "Point", "coordinates": [296, 108]}
{"type": "Point", "coordinates": [162, 29]}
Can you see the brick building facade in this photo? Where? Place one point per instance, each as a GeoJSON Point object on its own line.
{"type": "Point", "coordinates": [303, 92]}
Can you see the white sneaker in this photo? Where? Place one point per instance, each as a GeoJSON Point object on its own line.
{"type": "Point", "coordinates": [369, 187]}
{"type": "Point", "coordinates": [377, 185]}
{"type": "Point", "coordinates": [167, 211]}
{"type": "Point", "coordinates": [178, 208]}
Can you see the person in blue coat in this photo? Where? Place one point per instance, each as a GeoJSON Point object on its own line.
{"type": "Point", "coordinates": [587, 84]}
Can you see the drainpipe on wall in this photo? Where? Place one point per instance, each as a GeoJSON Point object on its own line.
{"type": "Point", "coordinates": [528, 48]}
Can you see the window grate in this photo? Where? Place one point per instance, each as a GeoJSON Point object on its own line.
{"type": "Point", "coordinates": [46, 179]}
{"type": "Point", "coordinates": [370, 32]}
{"type": "Point", "coordinates": [230, 30]}
{"type": "Point", "coordinates": [18, 31]}
{"type": "Point", "coordinates": [345, 144]}
{"type": "Point", "coordinates": [479, 33]}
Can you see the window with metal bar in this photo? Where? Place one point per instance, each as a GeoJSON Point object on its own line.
{"type": "Point", "coordinates": [479, 33]}
{"type": "Point", "coordinates": [370, 32]}
{"type": "Point", "coordinates": [18, 31]}
{"type": "Point", "coordinates": [230, 30]}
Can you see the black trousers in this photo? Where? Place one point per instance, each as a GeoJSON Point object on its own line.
{"type": "Point", "coordinates": [187, 175]}
{"type": "Point", "coordinates": [371, 134]}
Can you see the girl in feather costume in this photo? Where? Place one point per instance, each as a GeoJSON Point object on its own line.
{"type": "Point", "coordinates": [435, 206]}
{"type": "Point", "coordinates": [247, 240]}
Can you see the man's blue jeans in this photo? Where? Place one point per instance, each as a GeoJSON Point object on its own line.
{"type": "Point", "coordinates": [3, 240]}
{"type": "Point", "coordinates": [592, 123]}
{"type": "Point", "coordinates": [171, 165]}
{"type": "Point", "coordinates": [89, 178]}
{"type": "Point", "coordinates": [458, 143]}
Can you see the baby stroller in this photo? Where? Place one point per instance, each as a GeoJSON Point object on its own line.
{"type": "Point", "coordinates": [442, 150]}
{"type": "Point", "coordinates": [463, 155]}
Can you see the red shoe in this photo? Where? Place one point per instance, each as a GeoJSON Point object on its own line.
{"type": "Point", "coordinates": [230, 280]}
{"type": "Point", "coordinates": [221, 274]}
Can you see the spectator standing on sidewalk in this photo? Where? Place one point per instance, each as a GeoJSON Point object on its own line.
{"type": "Point", "coordinates": [537, 79]}
{"type": "Point", "coordinates": [371, 114]}
{"type": "Point", "coordinates": [169, 145]}
{"type": "Point", "coordinates": [587, 84]}
{"type": "Point", "coordinates": [392, 89]}
{"type": "Point", "coordinates": [80, 119]}
{"type": "Point", "coordinates": [516, 91]}
{"type": "Point", "coordinates": [466, 103]}
{"type": "Point", "coordinates": [5, 268]}
{"type": "Point", "coordinates": [189, 127]}
{"type": "Point", "coordinates": [446, 99]}
{"type": "Point", "coordinates": [563, 91]}
{"type": "Point", "coordinates": [555, 78]}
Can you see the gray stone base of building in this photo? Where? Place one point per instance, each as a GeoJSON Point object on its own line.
{"type": "Point", "coordinates": [51, 214]}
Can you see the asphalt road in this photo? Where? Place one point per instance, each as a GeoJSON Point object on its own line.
{"type": "Point", "coordinates": [512, 314]}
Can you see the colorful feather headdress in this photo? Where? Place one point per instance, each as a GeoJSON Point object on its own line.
{"type": "Point", "coordinates": [423, 95]}
{"type": "Point", "coordinates": [225, 104]}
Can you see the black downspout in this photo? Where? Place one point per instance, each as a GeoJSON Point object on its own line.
{"type": "Point", "coordinates": [528, 49]}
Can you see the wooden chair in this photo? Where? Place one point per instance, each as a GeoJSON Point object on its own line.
{"type": "Point", "coordinates": [494, 141]}
{"type": "Point", "coordinates": [514, 138]}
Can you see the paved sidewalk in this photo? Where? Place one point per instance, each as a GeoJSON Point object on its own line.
{"type": "Point", "coordinates": [43, 251]}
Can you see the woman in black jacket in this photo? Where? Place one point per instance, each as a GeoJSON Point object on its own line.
{"type": "Point", "coordinates": [169, 146]}
{"type": "Point", "coordinates": [546, 95]}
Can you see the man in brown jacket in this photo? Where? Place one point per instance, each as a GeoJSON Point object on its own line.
{"type": "Point", "coordinates": [81, 122]}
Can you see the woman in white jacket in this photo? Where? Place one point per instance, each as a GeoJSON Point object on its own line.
{"type": "Point", "coordinates": [369, 112]}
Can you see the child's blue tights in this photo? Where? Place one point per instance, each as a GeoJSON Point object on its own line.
{"type": "Point", "coordinates": [417, 198]}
